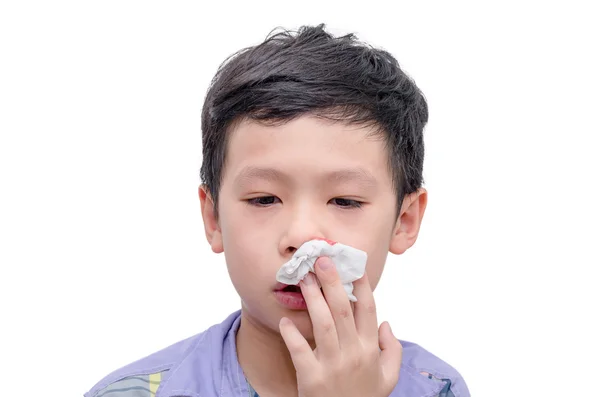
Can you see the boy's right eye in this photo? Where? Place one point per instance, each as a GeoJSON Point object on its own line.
{"type": "Point", "coordinates": [263, 201]}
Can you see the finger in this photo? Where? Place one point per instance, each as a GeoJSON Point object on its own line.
{"type": "Point", "coordinates": [302, 355]}
{"type": "Point", "coordinates": [324, 331]}
{"type": "Point", "coordinates": [338, 302]}
{"type": "Point", "coordinates": [365, 311]}
{"type": "Point", "coordinates": [391, 354]}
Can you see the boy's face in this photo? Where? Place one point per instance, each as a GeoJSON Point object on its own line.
{"type": "Point", "coordinates": [285, 185]}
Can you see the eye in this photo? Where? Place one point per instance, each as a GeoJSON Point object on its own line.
{"type": "Point", "coordinates": [347, 203]}
{"type": "Point", "coordinates": [263, 201]}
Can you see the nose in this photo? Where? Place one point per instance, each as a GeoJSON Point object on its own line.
{"type": "Point", "coordinates": [304, 225]}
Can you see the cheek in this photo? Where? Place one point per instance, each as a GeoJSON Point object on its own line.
{"type": "Point", "coordinates": [375, 266]}
{"type": "Point", "coordinates": [378, 247]}
{"type": "Point", "coordinates": [246, 254]}
{"type": "Point", "coordinates": [245, 273]}
{"type": "Point", "coordinates": [243, 243]}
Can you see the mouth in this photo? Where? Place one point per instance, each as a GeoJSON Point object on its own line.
{"type": "Point", "coordinates": [279, 287]}
{"type": "Point", "coordinates": [288, 288]}
{"type": "Point", "coordinates": [292, 288]}
{"type": "Point", "coordinates": [290, 297]}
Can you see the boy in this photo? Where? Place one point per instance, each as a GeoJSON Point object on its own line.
{"type": "Point", "coordinates": [306, 136]}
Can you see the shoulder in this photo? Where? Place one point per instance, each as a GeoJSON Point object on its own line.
{"type": "Point", "coordinates": [419, 362]}
{"type": "Point", "coordinates": [143, 377]}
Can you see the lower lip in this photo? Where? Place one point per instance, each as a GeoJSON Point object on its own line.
{"type": "Point", "coordinates": [291, 300]}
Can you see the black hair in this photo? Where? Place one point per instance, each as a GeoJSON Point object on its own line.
{"type": "Point", "coordinates": [311, 71]}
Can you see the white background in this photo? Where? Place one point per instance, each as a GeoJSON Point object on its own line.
{"type": "Point", "coordinates": [101, 243]}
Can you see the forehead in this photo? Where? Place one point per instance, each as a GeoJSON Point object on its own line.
{"type": "Point", "coordinates": [306, 144]}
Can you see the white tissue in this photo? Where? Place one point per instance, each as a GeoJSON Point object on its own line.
{"type": "Point", "coordinates": [349, 262]}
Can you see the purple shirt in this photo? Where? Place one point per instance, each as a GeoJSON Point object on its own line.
{"type": "Point", "coordinates": [206, 365]}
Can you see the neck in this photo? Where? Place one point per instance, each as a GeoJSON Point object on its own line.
{"type": "Point", "coordinates": [263, 356]}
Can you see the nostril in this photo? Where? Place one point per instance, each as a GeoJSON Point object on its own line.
{"type": "Point", "coordinates": [291, 250]}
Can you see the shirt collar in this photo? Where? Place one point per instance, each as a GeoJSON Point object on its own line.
{"type": "Point", "coordinates": [210, 368]}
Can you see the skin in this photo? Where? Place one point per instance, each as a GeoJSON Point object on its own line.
{"type": "Point", "coordinates": [285, 185]}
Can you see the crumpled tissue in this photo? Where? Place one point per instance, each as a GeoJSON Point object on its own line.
{"type": "Point", "coordinates": [350, 263]}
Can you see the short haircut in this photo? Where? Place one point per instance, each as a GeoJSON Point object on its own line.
{"type": "Point", "coordinates": [312, 72]}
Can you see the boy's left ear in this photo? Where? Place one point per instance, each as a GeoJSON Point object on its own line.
{"type": "Point", "coordinates": [211, 223]}
{"type": "Point", "coordinates": [408, 223]}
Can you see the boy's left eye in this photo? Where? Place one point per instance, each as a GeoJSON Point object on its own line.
{"type": "Point", "coordinates": [346, 203]}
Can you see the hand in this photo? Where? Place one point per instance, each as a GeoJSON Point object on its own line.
{"type": "Point", "coordinates": [352, 358]}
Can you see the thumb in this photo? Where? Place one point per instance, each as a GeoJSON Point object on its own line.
{"type": "Point", "coordinates": [391, 353]}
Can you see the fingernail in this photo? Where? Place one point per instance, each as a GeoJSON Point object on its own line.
{"type": "Point", "coordinates": [325, 263]}
{"type": "Point", "coordinates": [309, 279]}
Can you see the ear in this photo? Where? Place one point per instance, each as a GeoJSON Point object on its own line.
{"type": "Point", "coordinates": [408, 223]}
{"type": "Point", "coordinates": [211, 223]}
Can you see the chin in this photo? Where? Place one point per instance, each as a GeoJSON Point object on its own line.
{"type": "Point", "coordinates": [302, 321]}
{"type": "Point", "coordinates": [267, 317]}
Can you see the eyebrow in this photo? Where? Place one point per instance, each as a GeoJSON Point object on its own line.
{"type": "Point", "coordinates": [355, 175]}
{"type": "Point", "coordinates": [267, 174]}
{"type": "Point", "coordinates": [347, 175]}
